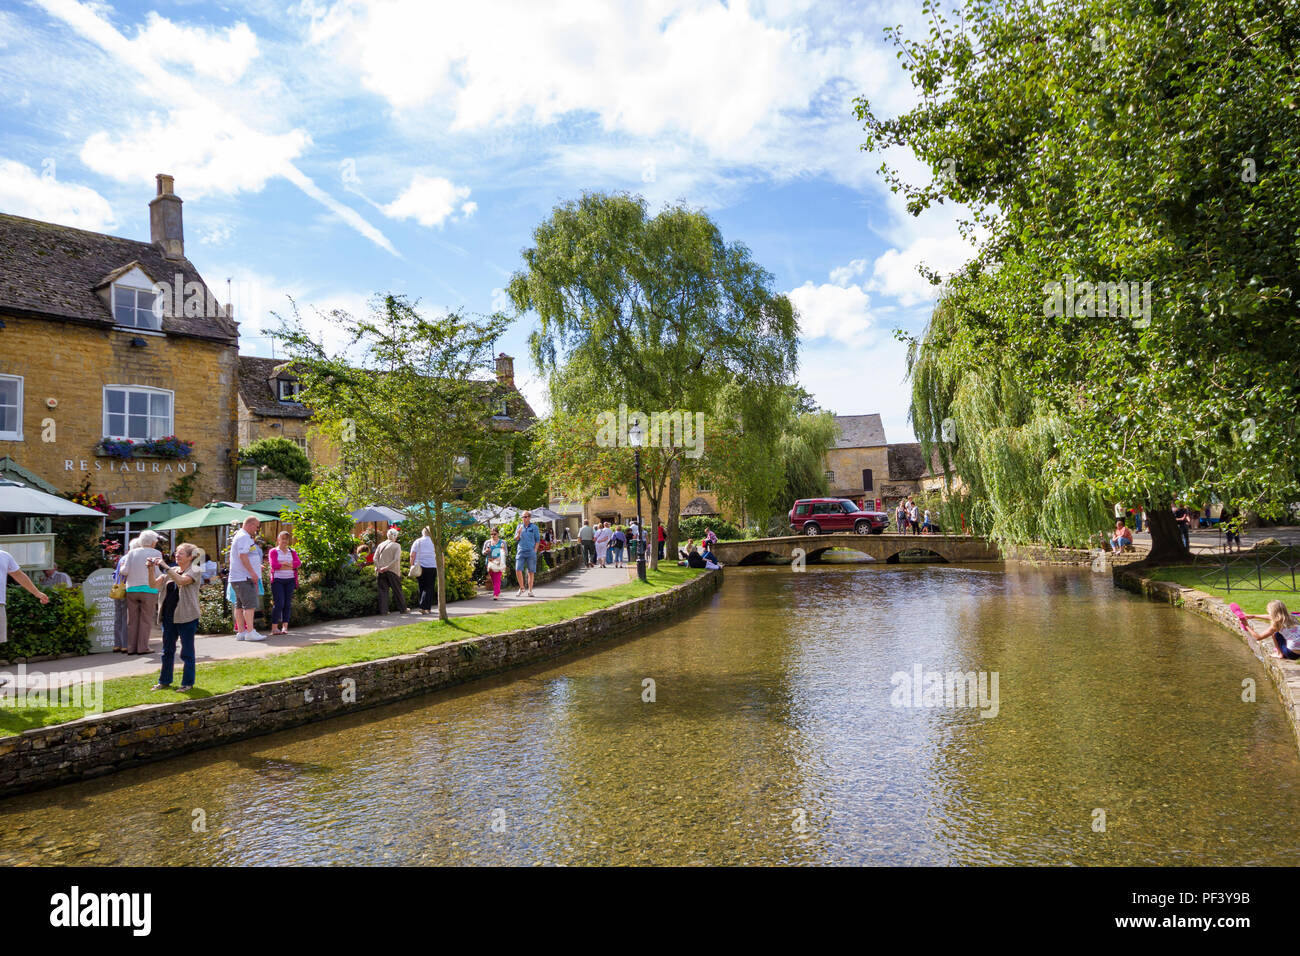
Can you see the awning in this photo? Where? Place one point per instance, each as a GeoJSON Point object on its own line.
{"type": "Point", "coordinates": [16, 499]}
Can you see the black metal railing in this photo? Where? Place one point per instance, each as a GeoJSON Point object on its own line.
{"type": "Point", "coordinates": [1271, 568]}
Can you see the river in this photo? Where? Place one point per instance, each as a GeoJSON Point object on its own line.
{"type": "Point", "coordinates": [778, 733]}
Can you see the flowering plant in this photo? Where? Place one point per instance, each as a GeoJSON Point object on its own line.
{"type": "Point", "coordinates": [88, 500]}
{"type": "Point", "coordinates": [169, 447]}
{"type": "Point", "coordinates": [117, 447]}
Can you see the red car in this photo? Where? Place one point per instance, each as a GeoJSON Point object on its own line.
{"type": "Point", "coordinates": [829, 515]}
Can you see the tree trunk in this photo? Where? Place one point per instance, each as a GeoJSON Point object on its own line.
{"type": "Point", "coordinates": [674, 507]}
{"type": "Point", "coordinates": [441, 554]}
{"type": "Point", "coordinates": [1166, 538]}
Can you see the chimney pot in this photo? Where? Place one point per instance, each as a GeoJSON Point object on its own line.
{"type": "Point", "coordinates": [506, 370]}
{"type": "Point", "coordinates": [165, 225]}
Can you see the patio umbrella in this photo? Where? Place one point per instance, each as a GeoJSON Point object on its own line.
{"type": "Point", "coordinates": [213, 515]}
{"type": "Point", "coordinates": [546, 514]}
{"type": "Point", "coordinates": [16, 499]}
{"type": "Point", "coordinates": [273, 506]}
{"type": "Point", "coordinates": [377, 513]}
{"type": "Point", "coordinates": [162, 511]}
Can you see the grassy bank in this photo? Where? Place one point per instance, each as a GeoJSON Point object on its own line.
{"type": "Point", "coordinates": [218, 677]}
{"type": "Point", "coordinates": [1252, 601]}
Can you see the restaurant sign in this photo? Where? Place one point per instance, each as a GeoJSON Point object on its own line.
{"type": "Point", "coordinates": [246, 484]}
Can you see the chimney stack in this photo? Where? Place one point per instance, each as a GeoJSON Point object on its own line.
{"type": "Point", "coordinates": [165, 230]}
{"type": "Point", "coordinates": [506, 370]}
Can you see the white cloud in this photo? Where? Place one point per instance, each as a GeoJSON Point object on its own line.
{"type": "Point", "coordinates": [223, 54]}
{"type": "Point", "coordinates": [831, 311]}
{"type": "Point", "coordinates": [203, 146]}
{"type": "Point", "coordinates": [24, 192]}
{"type": "Point", "coordinates": [841, 275]}
{"type": "Point", "coordinates": [895, 271]}
{"type": "Point", "coordinates": [430, 201]}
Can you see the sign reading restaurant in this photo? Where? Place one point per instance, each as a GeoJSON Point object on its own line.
{"type": "Point", "coordinates": [180, 467]}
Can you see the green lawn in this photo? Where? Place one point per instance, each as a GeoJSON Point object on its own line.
{"type": "Point", "coordinates": [1251, 601]}
{"type": "Point", "coordinates": [217, 677]}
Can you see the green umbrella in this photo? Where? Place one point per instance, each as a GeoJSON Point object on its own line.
{"type": "Point", "coordinates": [273, 506]}
{"type": "Point", "coordinates": [162, 511]}
{"type": "Point", "coordinates": [209, 516]}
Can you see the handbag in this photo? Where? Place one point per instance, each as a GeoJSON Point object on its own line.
{"type": "Point", "coordinates": [414, 572]}
{"type": "Point", "coordinates": [118, 591]}
{"type": "Point", "coordinates": [497, 565]}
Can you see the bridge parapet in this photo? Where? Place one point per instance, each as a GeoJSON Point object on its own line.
{"type": "Point", "coordinates": [954, 548]}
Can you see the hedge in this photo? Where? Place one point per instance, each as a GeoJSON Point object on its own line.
{"type": "Point", "coordinates": [39, 630]}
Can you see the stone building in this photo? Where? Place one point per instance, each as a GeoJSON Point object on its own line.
{"type": "Point", "coordinates": [104, 339]}
{"type": "Point", "coordinates": [858, 463]}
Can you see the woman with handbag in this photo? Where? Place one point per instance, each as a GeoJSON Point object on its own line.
{"type": "Point", "coordinates": [118, 593]}
{"type": "Point", "coordinates": [424, 567]}
{"type": "Point", "coordinates": [495, 550]}
{"type": "Point", "coordinates": [143, 579]}
{"type": "Point", "coordinates": [180, 615]}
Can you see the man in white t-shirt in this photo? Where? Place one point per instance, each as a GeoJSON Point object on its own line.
{"type": "Point", "coordinates": [9, 569]}
{"type": "Point", "coordinates": [244, 578]}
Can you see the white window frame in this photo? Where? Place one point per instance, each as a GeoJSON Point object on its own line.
{"type": "Point", "coordinates": [15, 435]}
{"type": "Point", "coordinates": [296, 387]}
{"type": "Point", "coordinates": [130, 530]}
{"type": "Point", "coordinates": [126, 414]}
{"type": "Point", "coordinates": [155, 318]}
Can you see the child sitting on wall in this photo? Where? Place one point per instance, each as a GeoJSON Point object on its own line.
{"type": "Point", "coordinates": [1284, 630]}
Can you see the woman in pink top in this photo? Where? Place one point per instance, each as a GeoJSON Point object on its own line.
{"type": "Point", "coordinates": [284, 581]}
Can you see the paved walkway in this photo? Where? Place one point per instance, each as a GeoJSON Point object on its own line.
{"type": "Point", "coordinates": [1209, 540]}
{"type": "Point", "coordinates": [217, 647]}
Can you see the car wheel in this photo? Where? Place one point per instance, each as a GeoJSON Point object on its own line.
{"type": "Point", "coordinates": [811, 528]}
{"type": "Point", "coordinates": [862, 527]}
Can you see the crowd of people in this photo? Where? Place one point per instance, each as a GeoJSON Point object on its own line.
{"type": "Point", "coordinates": [1130, 521]}
{"type": "Point", "coordinates": [608, 545]}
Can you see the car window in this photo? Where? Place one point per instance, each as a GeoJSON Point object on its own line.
{"type": "Point", "coordinates": [849, 507]}
{"type": "Point", "coordinates": [823, 508]}
{"type": "Point", "coordinates": [801, 509]}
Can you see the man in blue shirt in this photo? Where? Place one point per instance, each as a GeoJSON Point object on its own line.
{"type": "Point", "coordinates": [526, 557]}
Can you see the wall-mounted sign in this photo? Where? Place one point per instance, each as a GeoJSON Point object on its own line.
{"type": "Point", "coordinates": [142, 467]}
{"type": "Point", "coordinates": [246, 484]}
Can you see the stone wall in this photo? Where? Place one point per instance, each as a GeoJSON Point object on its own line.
{"type": "Point", "coordinates": [1284, 674]}
{"type": "Point", "coordinates": [72, 363]}
{"type": "Point", "coordinates": [93, 746]}
{"type": "Point", "coordinates": [567, 559]}
{"type": "Point", "coordinates": [1043, 554]}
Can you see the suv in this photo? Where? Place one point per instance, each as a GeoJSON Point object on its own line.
{"type": "Point", "coordinates": [828, 515]}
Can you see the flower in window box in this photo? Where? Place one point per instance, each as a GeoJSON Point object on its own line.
{"type": "Point", "coordinates": [118, 447]}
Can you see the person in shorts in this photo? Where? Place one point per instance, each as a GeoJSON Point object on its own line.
{"type": "Point", "coordinates": [526, 557]}
{"type": "Point", "coordinates": [244, 579]}
{"type": "Point", "coordinates": [9, 569]}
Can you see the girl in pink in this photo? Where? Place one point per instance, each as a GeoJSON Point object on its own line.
{"type": "Point", "coordinates": [284, 581]}
{"type": "Point", "coordinates": [494, 549]}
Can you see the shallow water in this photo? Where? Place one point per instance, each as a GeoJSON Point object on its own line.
{"type": "Point", "coordinates": [772, 739]}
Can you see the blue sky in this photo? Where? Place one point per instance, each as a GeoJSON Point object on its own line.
{"type": "Point", "coordinates": [331, 150]}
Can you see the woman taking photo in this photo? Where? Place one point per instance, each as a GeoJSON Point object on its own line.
{"type": "Point", "coordinates": [284, 581]}
{"type": "Point", "coordinates": [180, 615]}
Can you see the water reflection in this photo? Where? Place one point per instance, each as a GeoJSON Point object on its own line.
{"type": "Point", "coordinates": [772, 739]}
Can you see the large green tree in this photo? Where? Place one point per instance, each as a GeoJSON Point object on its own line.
{"type": "Point", "coordinates": [409, 400]}
{"type": "Point", "coordinates": [657, 312]}
{"type": "Point", "coordinates": [1109, 142]}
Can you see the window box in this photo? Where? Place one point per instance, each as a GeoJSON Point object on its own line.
{"type": "Point", "coordinates": [168, 447]}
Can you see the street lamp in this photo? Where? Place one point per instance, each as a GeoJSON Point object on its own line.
{"type": "Point", "coordinates": [636, 437]}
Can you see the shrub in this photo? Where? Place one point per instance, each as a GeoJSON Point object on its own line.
{"type": "Point", "coordinates": [461, 559]}
{"type": "Point", "coordinates": [322, 528]}
{"type": "Point", "coordinates": [279, 455]}
{"type": "Point", "coordinates": [214, 612]}
{"type": "Point", "coordinates": [693, 527]}
{"type": "Point", "coordinates": [37, 630]}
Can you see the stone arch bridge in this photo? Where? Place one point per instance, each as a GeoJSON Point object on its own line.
{"type": "Point", "coordinates": [954, 548]}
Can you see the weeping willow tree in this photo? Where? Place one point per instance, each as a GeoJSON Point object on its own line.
{"type": "Point", "coordinates": [1000, 447]}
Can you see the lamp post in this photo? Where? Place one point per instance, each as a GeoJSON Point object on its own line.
{"type": "Point", "coordinates": [637, 437]}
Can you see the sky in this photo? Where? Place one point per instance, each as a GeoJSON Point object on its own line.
{"type": "Point", "coordinates": [329, 151]}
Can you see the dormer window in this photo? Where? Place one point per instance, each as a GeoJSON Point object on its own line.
{"type": "Point", "coordinates": [288, 390]}
{"type": "Point", "coordinates": [135, 308]}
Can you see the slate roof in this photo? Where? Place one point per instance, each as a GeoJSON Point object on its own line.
{"type": "Point", "coordinates": [257, 394]}
{"type": "Point", "coordinates": [48, 270]}
{"type": "Point", "coordinates": [859, 431]}
{"type": "Point", "coordinates": [906, 462]}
